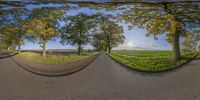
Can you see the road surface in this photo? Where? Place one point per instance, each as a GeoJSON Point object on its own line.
{"type": "Point", "coordinates": [104, 79]}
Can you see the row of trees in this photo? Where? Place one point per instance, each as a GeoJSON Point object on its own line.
{"type": "Point", "coordinates": [103, 31]}
{"type": "Point", "coordinates": [179, 20]}
{"type": "Point", "coordinates": [43, 24]}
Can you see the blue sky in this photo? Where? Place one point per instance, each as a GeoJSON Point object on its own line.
{"type": "Point", "coordinates": [134, 38]}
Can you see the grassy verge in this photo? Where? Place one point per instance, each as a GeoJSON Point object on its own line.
{"type": "Point", "coordinates": [150, 61]}
{"type": "Point", "coordinates": [53, 59]}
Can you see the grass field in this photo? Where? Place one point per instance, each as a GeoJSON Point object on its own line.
{"type": "Point", "coordinates": [53, 59]}
{"type": "Point", "coordinates": [149, 61]}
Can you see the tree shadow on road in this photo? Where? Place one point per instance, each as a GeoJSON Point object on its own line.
{"type": "Point", "coordinates": [197, 58]}
{"type": "Point", "coordinates": [6, 55]}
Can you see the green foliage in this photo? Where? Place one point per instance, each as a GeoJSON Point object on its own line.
{"type": "Point", "coordinates": [191, 41]}
{"type": "Point", "coordinates": [150, 61]}
{"type": "Point", "coordinates": [198, 48]}
{"type": "Point", "coordinates": [41, 24]}
{"type": "Point", "coordinates": [156, 18]}
{"type": "Point", "coordinates": [108, 34]}
{"type": "Point", "coordinates": [98, 42]}
{"type": "Point", "coordinates": [12, 30]}
{"type": "Point", "coordinates": [9, 38]}
{"type": "Point", "coordinates": [77, 30]}
{"type": "Point", "coordinates": [160, 18]}
{"type": "Point", "coordinates": [40, 27]}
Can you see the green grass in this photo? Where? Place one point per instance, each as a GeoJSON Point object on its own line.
{"type": "Point", "coordinates": [150, 61]}
{"type": "Point", "coordinates": [53, 59]}
{"type": "Point", "coordinates": [144, 53]}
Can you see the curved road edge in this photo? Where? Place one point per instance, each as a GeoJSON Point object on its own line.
{"type": "Point", "coordinates": [63, 70]}
{"type": "Point", "coordinates": [7, 55]}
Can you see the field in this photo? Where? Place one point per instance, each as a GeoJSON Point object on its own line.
{"type": "Point", "coordinates": [150, 61]}
{"type": "Point", "coordinates": [53, 59]}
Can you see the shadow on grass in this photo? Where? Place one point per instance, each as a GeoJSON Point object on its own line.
{"type": "Point", "coordinates": [157, 73]}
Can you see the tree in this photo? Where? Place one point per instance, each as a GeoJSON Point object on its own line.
{"type": "Point", "coordinates": [17, 21]}
{"type": "Point", "coordinates": [160, 18]}
{"type": "Point", "coordinates": [3, 28]}
{"type": "Point", "coordinates": [40, 31]}
{"type": "Point", "coordinates": [12, 36]}
{"type": "Point", "coordinates": [41, 25]}
{"type": "Point", "coordinates": [191, 41]}
{"type": "Point", "coordinates": [77, 30]}
{"type": "Point", "coordinates": [13, 18]}
{"type": "Point", "coordinates": [108, 34]}
{"type": "Point", "coordinates": [198, 48]}
{"type": "Point", "coordinates": [9, 39]}
{"type": "Point", "coordinates": [98, 42]}
{"type": "Point", "coordinates": [113, 34]}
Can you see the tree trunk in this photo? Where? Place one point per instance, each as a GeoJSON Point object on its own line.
{"type": "Point", "coordinates": [109, 50]}
{"type": "Point", "coordinates": [19, 48]}
{"type": "Point", "coordinates": [44, 49]}
{"type": "Point", "coordinates": [79, 49]}
{"type": "Point", "coordinates": [109, 47]}
{"type": "Point", "coordinates": [176, 47]}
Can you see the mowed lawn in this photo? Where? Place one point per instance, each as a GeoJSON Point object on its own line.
{"type": "Point", "coordinates": [150, 61]}
{"type": "Point", "coordinates": [53, 59]}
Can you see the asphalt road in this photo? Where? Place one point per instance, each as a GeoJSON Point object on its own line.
{"type": "Point", "coordinates": [104, 79]}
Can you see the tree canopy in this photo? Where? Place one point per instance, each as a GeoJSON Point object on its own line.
{"type": "Point", "coordinates": [108, 33]}
{"type": "Point", "coordinates": [41, 25]}
{"type": "Point", "coordinates": [191, 41]}
{"type": "Point", "coordinates": [160, 18]}
{"type": "Point", "coordinates": [77, 30]}
{"type": "Point", "coordinates": [175, 19]}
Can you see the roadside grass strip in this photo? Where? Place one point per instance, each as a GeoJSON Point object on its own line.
{"type": "Point", "coordinates": [146, 61]}
{"type": "Point", "coordinates": [53, 59]}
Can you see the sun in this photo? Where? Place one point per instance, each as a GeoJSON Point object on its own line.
{"type": "Point", "coordinates": [130, 44]}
